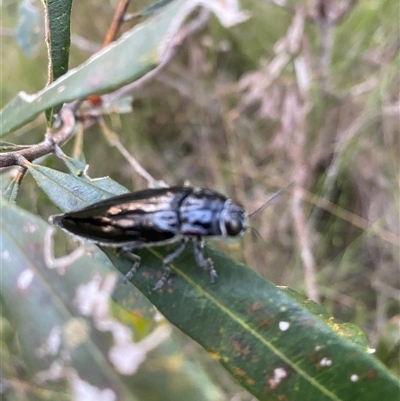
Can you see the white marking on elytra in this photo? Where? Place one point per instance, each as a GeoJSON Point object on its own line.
{"type": "Point", "coordinates": [325, 362]}
{"type": "Point", "coordinates": [354, 378]}
{"type": "Point", "coordinates": [318, 347]}
{"type": "Point", "coordinates": [283, 326]}
{"type": "Point", "coordinates": [371, 350]}
{"type": "Point", "coordinates": [279, 375]}
{"type": "Point", "coordinates": [25, 278]}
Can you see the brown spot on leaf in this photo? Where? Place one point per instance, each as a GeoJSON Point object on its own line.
{"type": "Point", "coordinates": [250, 381]}
{"type": "Point", "coordinates": [282, 397]}
{"type": "Point", "coordinates": [371, 375]}
{"type": "Point", "coordinates": [240, 346]}
{"type": "Point", "coordinates": [146, 275]}
{"type": "Point", "coordinates": [239, 372]}
{"type": "Point", "coordinates": [260, 313]}
{"type": "Point", "coordinates": [254, 307]}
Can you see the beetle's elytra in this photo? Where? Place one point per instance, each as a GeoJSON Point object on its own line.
{"type": "Point", "coordinates": [155, 217]}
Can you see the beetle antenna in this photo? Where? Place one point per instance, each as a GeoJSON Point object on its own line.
{"type": "Point", "coordinates": [255, 232]}
{"type": "Point", "coordinates": [271, 199]}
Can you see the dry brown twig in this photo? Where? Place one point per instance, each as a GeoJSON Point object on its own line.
{"type": "Point", "coordinates": [294, 121]}
{"type": "Point", "coordinates": [113, 140]}
{"type": "Point", "coordinates": [294, 129]}
{"type": "Point", "coordinates": [118, 20]}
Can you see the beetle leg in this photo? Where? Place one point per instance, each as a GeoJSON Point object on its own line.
{"type": "Point", "coordinates": [202, 262]}
{"type": "Point", "coordinates": [167, 260]}
{"type": "Point", "coordinates": [136, 263]}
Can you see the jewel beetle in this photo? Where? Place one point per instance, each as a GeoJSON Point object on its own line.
{"type": "Point", "coordinates": [156, 217]}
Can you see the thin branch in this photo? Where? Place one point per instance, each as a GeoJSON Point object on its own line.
{"type": "Point", "coordinates": [303, 235]}
{"type": "Point", "coordinates": [50, 144]}
{"type": "Point", "coordinates": [118, 20]}
{"type": "Point", "coordinates": [294, 128]}
{"type": "Point", "coordinates": [113, 139]}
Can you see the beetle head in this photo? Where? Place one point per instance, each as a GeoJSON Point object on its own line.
{"type": "Point", "coordinates": [233, 219]}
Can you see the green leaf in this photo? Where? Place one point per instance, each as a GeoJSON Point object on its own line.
{"type": "Point", "coordinates": [9, 185]}
{"type": "Point", "coordinates": [267, 338]}
{"type": "Point", "coordinates": [65, 191]}
{"type": "Point", "coordinates": [260, 334]}
{"type": "Point", "coordinates": [58, 13]}
{"type": "Point", "coordinates": [65, 346]}
{"type": "Point", "coordinates": [79, 169]}
{"type": "Point", "coordinates": [125, 60]}
{"type": "Point", "coordinates": [12, 191]}
{"type": "Point", "coordinates": [346, 330]}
